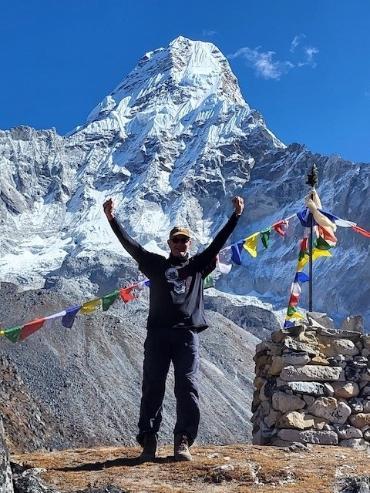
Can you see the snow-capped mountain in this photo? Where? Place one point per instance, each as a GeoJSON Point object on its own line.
{"type": "Point", "coordinates": [172, 144]}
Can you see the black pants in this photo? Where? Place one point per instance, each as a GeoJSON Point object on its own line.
{"type": "Point", "coordinates": [181, 346]}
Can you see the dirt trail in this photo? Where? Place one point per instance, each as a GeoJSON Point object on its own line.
{"type": "Point", "coordinates": [239, 468]}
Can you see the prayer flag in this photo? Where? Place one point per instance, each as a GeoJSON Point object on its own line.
{"type": "Point", "coordinates": [126, 294]}
{"type": "Point", "coordinates": [109, 299]}
{"type": "Point", "coordinates": [90, 306]}
{"type": "Point", "coordinates": [31, 327]}
{"type": "Point", "coordinates": [288, 324]}
{"type": "Point", "coordinates": [302, 261]}
{"type": "Point", "coordinates": [294, 299]}
{"type": "Point", "coordinates": [321, 244]}
{"type": "Point", "coordinates": [301, 277]}
{"type": "Point", "coordinates": [208, 282]}
{"type": "Point", "coordinates": [13, 333]}
{"type": "Point", "coordinates": [296, 289]}
{"type": "Point", "coordinates": [69, 317]}
{"type": "Point", "coordinates": [316, 253]}
{"type": "Point", "coordinates": [362, 231]}
{"type": "Point", "coordinates": [236, 251]}
{"type": "Point", "coordinates": [265, 237]}
{"type": "Point", "coordinates": [280, 227]}
{"type": "Point", "coordinates": [250, 244]}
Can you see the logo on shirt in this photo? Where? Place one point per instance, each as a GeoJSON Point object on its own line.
{"type": "Point", "coordinates": [172, 276]}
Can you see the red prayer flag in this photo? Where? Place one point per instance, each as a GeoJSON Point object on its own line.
{"type": "Point", "coordinates": [280, 227]}
{"type": "Point", "coordinates": [327, 234]}
{"type": "Point", "coordinates": [31, 327]}
{"type": "Point", "coordinates": [126, 294]}
{"type": "Point", "coordinates": [304, 245]}
{"type": "Point", "coordinates": [294, 299]}
{"type": "Point", "coordinates": [362, 231]}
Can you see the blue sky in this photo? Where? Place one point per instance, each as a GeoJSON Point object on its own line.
{"type": "Point", "coordinates": [304, 65]}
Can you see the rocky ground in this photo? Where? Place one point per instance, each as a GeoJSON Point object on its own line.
{"type": "Point", "coordinates": [224, 469]}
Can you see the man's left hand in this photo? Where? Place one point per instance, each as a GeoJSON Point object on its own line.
{"type": "Point", "coordinates": [238, 203]}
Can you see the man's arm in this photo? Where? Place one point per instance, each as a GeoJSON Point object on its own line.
{"type": "Point", "coordinates": [205, 258]}
{"type": "Point", "coordinates": [136, 251]}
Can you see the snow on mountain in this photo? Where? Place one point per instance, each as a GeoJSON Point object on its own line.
{"type": "Point", "coordinates": [172, 143]}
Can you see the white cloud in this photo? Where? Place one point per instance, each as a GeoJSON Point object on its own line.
{"type": "Point", "coordinates": [309, 55]}
{"type": "Point", "coordinates": [267, 66]}
{"type": "Point", "coordinates": [263, 62]}
{"type": "Point", "coordinates": [208, 32]}
{"type": "Point", "coordinates": [296, 42]}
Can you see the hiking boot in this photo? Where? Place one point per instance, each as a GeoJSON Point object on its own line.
{"type": "Point", "coordinates": [181, 448]}
{"type": "Point", "coordinates": [149, 444]}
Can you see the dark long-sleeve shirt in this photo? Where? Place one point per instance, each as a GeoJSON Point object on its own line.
{"type": "Point", "coordinates": [176, 284]}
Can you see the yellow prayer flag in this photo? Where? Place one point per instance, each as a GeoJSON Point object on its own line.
{"type": "Point", "coordinates": [295, 315]}
{"type": "Point", "coordinates": [90, 306]}
{"type": "Point", "coordinates": [302, 262]}
{"type": "Point", "coordinates": [250, 244]}
{"type": "Point", "coordinates": [316, 253]}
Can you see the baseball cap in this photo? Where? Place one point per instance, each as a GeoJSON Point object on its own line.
{"type": "Point", "coordinates": [178, 230]}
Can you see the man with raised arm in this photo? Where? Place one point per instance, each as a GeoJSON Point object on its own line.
{"type": "Point", "coordinates": [176, 316]}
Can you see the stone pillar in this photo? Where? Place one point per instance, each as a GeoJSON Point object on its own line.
{"type": "Point", "coordinates": [312, 385]}
{"type": "Point", "coordinates": [6, 483]}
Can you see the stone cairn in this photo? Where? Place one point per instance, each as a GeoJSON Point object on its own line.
{"type": "Point", "coordinates": [312, 385]}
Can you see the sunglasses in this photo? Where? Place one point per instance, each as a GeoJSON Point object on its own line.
{"type": "Point", "coordinates": [180, 240]}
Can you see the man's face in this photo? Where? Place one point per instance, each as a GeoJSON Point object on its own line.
{"type": "Point", "coordinates": [179, 245]}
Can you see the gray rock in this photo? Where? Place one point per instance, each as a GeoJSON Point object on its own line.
{"type": "Point", "coordinates": [299, 347]}
{"type": "Point", "coordinates": [346, 390]}
{"type": "Point", "coordinates": [295, 359]}
{"type": "Point", "coordinates": [284, 403]}
{"type": "Point", "coordinates": [30, 482]}
{"type": "Point", "coordinates": [330, 409]}
{"type": "Point", "coordinates": [310, 388]}
{"type": "Point", "coordinates": [356, 443]}
{"type": "Point", "coordinates": [318, 319]}
{"type": "Point", "coordinates": [356, 404]}
{"type": "Point", "coordinates": [311, 373]}
{"type": "Point", "coordinates": [309, 436]}
{"type": "Point", "coordinates": [360, 420]}
{"type": "Point", "coordinates": [353, 323]}
{"type": "Point", "coordinates": [6, 484]}
{"type": "Point", "coordinates": [347, 432]}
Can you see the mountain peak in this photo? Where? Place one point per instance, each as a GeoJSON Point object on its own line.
{"type": "Point", "coordinates": [185, 70]}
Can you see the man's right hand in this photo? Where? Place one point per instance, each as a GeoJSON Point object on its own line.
{"type": "Point", "coordinates": [109, 209]}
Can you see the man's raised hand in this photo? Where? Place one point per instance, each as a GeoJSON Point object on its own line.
{"type": "Point", "coordinates": [238, 203]}
{"type": "Point", "coordinates": [109, 209]}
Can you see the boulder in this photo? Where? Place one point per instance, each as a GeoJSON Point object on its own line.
{"type": "Point", "coordinates": [347, 432]}
{"type": "Point", "coordinates": [283, 402]}
{"type": "Point", "coordinates": [345, 390]}
{"type": "Point", "coordinates": [310, 388]}
{"type": "Point", "coordinates": [312, 373]}
{"type": "Point", "coordinates": [354, 323]}
{"type": "Point", "coordinates": [309, 436]}
{"type": "Point", "coordinates": [361, 420]}
{"type": "Point", "coordinates": [6, 480]}
{"type": "Point", "coordinates": [329, 408]}
{"type": "Point", "coordinates": [356, 443]}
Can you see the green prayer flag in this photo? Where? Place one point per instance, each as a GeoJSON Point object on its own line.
{"type": "Point", "coordinates": [13, 333]}
{"type": "Point", "coordinates": [109, 299]}
{"type": "Point", "coordinates": [265, 237]}
{"type": "Point", "coordinates": [208, 282]}
{"type": "Point", "coordinates": [291, 310]}
{"type": "Point", "coordinates": [302, 255]}
{"type": "Point", "coordinates": [321, 244]}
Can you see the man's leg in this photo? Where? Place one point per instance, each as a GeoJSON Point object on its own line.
{"type": "Point", "coordinates": [185, 355]}
{"type": "Point", "coordinates": [155, 368]}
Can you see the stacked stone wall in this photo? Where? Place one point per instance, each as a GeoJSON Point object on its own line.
{"type": "Point", "coordinates": [312, 385]}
